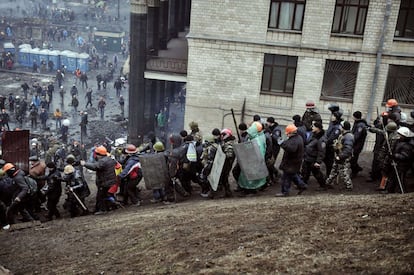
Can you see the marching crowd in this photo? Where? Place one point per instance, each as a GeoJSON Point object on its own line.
{"type": "Point", "coordinates": [191, 159]}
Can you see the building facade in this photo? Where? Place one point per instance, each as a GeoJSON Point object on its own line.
{"type": "Point", "coordinates": [274, 55]}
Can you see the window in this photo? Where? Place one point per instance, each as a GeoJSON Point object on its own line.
{"type": "Point", "coordinates": [279, 73]}
{"type": "Point", "coordinates": [350, 16]}
{"type": "Point", "coordinates": [339, 79]}
{"type": "Point", "coordinates": [400, 84]}
{"type": "Point", "coordinates": [287, 14]}
{"type": "Point", "coordinates": [405, 22]}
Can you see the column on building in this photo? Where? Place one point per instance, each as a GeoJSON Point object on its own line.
{"type": "Point", "coordinates": [153, 26]}
{"type": "Point", "coordinates": [172, 19]}
{"type": "Point", "coordinates": [137, 92]}
{"type": "Point", "coordinates": [163, 24]}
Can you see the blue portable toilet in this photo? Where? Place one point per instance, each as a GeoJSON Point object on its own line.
{"type": "Point", "coordinates": [34, 55]}
{"type": "Point", "coordinates": [44, 55]}
{"type": "Point", "coordinates": [64, 58]}
{"type": "Point", "coordinates": [72, 61]}
{"type": "Point", "coordinates": [23, 57]}
{"type": "Point", "coordinates": [54, 56]}
{"type": "Point", "coordinates": [83, 62]}
{"type": "Point", "coordinates": [9, 47]}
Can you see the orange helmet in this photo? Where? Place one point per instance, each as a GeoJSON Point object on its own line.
{"type": "Point", "coordinates": [291, 128]}
{"type": "Point", "coordinates": [8, 166]}
{"type": "Point", "coordinates": [101, 150]}
{"type": "Point", "coordinates": [391, 103]}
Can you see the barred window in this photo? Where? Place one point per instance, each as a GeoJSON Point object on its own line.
{"type": "Point", "coordinates": [350, 16]}
{"type": "Point", "coordinates": [400, 84]}
{"type": "Point", "coordinates": [339, 79]}
{"type": "Point", "coordinates": [405, 22]}
{"type": "Point", "coordinates": [279, 73]}
{"type": "Point", "coordinates": [286, 14]}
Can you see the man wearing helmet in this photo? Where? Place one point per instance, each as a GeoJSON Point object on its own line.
{"type": "Point", "coordinates": [403, 154]}
{"type": "Point", "coordinates": [384, 155]}
{"type": "Point", "coordinates": [393, 112]}
{"type": "Point", "coordinates": [105, 176]}
{"type": "Point", "coordinates": [130, 176]}
{"type": "Point", "coordinates": [292, 161]}
{"type": "Point", "coordinates": [21, 199]}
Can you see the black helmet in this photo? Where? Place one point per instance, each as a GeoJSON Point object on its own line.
{"type": "Point", "coordinates": [333, 107]}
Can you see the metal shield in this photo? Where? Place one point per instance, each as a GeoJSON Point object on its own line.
{"type": "Point", "coordinates": [154, 169]}
{"type": "Point", "coordinates": [251, 160]}
{"type": "Point", "coordinates": [214, 177]}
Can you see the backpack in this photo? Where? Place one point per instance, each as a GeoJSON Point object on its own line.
{"type": "Point", "coordinates": [32, 184]}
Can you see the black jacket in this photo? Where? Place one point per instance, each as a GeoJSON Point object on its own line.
{"type": "Point", "coordinates": [292, 157]}
{"type": "Point", "coordinates": [359, 130]}
{"type": "Point", "coordinates": [105, 171]}
{"type": "Point", "coordinates": [315, 149]}
{"type": "Point", "coordinates": [344, 146]}
{"type": "Point", "coordinates": [333, 132]}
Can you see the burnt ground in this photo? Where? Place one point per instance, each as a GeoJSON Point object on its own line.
{"type": "Point", "coordinates": [333, 232]}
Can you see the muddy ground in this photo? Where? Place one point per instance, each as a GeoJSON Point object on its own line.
{"type": "Point", "coordinates": [333, 232]}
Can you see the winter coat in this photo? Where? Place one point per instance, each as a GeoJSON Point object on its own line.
{"type": "Point", "coordinates": [315, 149]}
{"type": "Point", "coordinates": [275, 133]}
{"type": "Point", "coordinates": [293, 154]}
{"type": "Point", "coordinates": [22, 189]}
{"type": "Point", "coordinates": [228, 150]}
{"type": "Point", "coordinates": [105, 171]}
{"type": "Point", "coordinates": [344, 146]}
{"type": "Point", "coordinates": [333, 132]}
{"type": "Point", "coordinates": [403, 154]}
{"type": "Point", "coordinates": [7, 189]}
{"type": "Point", "coordinates": [54, 183]}
{"type": "Point", "coordinates": [132, 161]}
{"type": "Point", "coordinates": [359, 130]}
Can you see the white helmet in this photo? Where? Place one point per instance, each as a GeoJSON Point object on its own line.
{"type": "Point", "coordinates": [404, 131]}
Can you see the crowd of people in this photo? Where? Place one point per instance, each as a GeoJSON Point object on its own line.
{"type": "Point", "coordinates": [191, 158]}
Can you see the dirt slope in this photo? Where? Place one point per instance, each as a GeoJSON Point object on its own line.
{"type": "Point", "coordinates": [256, 235]}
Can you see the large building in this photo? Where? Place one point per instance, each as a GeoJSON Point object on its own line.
{"type": "Point", "coordinates": [274, 55]}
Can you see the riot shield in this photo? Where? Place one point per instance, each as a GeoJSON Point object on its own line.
{"type": "Point", "coordinates": [154, 170]}
{"type": "Point", "coordinates": [251, 160]}
{"type": "Point", "coordinates": [218, 164]}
